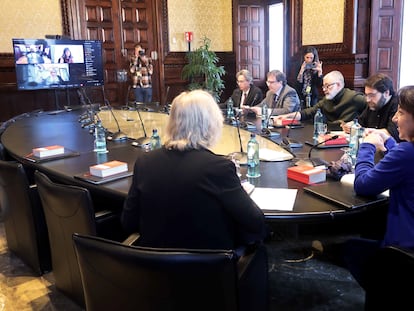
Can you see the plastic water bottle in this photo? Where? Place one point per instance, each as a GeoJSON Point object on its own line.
{"type": "Point", "coordinates": [155, 140]}
{"type": "Point", "coordinates": [265, 116]}
{"type": "Point", "coordinates": [253, 161]}
{"type": "Point", "coordinates": [308, 100]}
{"type": "Point", "coordinates": [308, 96]}
{"type": "Point", "coordinates": [100, 138]}
{"type": "Point", "coordinates": [319, 125]}
{"type": "Point", "coordinates": [354, 139]}
{"type": "Point", "coordinates": [230, 110]}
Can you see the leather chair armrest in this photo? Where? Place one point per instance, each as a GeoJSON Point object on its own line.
{"type": "Point", "coordinates": [132, 239]}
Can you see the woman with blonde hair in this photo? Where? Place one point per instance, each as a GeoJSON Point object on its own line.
{"type": "Point", "coordinates": [184, 196]}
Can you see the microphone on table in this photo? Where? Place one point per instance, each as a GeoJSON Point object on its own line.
{"type": "Point", "coordinates": [318, 161]}
{"type": "Point", "coordinates": [142, 141]}
{"type": "Point", "coordinates": [119, 135]}
{"type": "Point", "coordinates": [287, 141]}
{"type": "Point", "coordinates": [266, 132]}
{"type": "Point", "coordinates": [239, 156]}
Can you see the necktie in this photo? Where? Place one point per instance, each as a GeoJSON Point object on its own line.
{"type": "Point", "coordinates": [274, 101]}
{"type": "Point", "coordinates": [243, 100]}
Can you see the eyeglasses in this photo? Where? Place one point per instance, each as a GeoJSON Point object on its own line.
{"type": "Point", "coordinates": [371, 95]}
{"type": "Point", "coordinates": [327, 86]}
{"type": "Point", "coordinates": [241, 81]}
{"type": "Point", "coordinates": [270, 82]}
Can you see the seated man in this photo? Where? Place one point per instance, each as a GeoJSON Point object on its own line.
{"type": "Point", "coordinates": [339, 105]}
{"type": "Point", "coordinates": [382, 104]}
{"type": "Point", "coordinates": [280, 98]}
{"type": "Point", "coordinates": [247, 94]}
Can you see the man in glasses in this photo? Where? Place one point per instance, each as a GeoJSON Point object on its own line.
{"type": "Point", "coordinates": [382, 103]}
{"type": "Point", "coordinates": [280, 98]}
{"type": "Point", "coordinates": [247, 94]}
{"type": "Point", "coordinates": [339, 104]}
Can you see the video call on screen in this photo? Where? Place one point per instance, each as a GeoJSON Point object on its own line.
{"type": "Point", "coordinates": [49, 64]}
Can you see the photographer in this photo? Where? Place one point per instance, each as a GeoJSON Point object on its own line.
{"type": "Point", "coordinates": [310, 77]}
{"type": "Point", "coordinates": [141, 69]}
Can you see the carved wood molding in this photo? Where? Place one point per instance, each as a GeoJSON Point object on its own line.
{"type": "Point", "coordinates": [345, 47]}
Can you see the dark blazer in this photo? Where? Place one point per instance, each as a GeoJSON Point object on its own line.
{"type": "Point", "coordinates": [254, 97]}
{"type": "Point", "coordinates": [190, 199]}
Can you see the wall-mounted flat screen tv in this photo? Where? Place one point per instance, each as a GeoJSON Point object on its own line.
{"type": "Point", "coordinates": [58, 64]}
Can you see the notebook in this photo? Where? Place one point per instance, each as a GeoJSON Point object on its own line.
{"type": "Point", "coordinates": [343, 195]}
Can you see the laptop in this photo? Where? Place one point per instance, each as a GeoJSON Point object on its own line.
{"type": "Point", "coordinates": [343, 195]}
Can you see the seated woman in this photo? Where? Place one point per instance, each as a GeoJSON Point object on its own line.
{"type": "Point", "coordinates": [185, 196]}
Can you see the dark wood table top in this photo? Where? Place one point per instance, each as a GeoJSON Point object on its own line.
{"type": "Point", "coordinates": [43, 129]}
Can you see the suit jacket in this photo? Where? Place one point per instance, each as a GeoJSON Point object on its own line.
{"type": "Point", "coordinates": [254, 97]}
{"type": "Point", "coordinates": [287, 101]}
{"type": "Point", "coordinates": [190, 199]}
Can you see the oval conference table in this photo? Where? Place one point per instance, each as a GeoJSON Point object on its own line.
{"type": "Point", "coordinates": [64, 128]}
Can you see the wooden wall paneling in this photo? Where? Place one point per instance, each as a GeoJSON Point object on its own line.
{"type": "Point", "coordinates": [349, 57]}
{"type": "Point", "coordinates": [249, 40]}
{"type": "Point", "coordinates": [386, 35]}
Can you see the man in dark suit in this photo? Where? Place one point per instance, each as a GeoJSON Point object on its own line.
{"type": "Point", "coordinates": [247, 94]}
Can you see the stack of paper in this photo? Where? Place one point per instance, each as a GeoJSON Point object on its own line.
{"type": "Point", "coordinates": [108, 168]}
{"type": "Point", "coordinates": [48, 151]}
{"type": "Point", "coordinates": [273, 155]}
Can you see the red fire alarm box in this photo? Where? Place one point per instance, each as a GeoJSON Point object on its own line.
{"type": "Point", "coordinates": [188, 36]}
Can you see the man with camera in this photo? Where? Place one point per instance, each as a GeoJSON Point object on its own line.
{"type": "Point", "coordinates": [141, 69]}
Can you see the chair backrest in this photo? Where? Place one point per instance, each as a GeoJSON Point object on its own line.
{"type": "Point", "coordinates": [390, 273]}
{"type": "Point", "coordinates": [68, 209]}
{"type": "Point", "coordinates": [116, 276]}
{"type": "Point", "coordinates": [24, 221]}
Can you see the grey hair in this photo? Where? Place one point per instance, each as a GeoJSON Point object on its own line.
{"type": "Point", "coordinates": [195, 121]}
{"type": "Point", "coordinates": [246, 74]}
{"type": "Point", "coordinates": [337, 77]}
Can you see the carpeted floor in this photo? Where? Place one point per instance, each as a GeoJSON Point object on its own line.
{"type": "Point", "coordinates": [304, 269]}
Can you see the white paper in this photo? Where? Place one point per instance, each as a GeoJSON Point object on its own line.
{"type": "Point", "coordinates": [273, 155]}
{"type": "Point", "coordinates": [280, 199]}
{"type": "Point", "coordinates": [349, 180]}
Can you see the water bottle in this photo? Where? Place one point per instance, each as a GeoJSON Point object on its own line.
{"type": "Point", "coordinates": [354, 140]}
{"type": "Point", "coordinates": [100, 138]}
{"type": "Point", "coordinates": [230, 110]}
{"type": "Point", "coordinates": [319, 125]}
{"type": "Point", "coordinates": [155, 140]}
{"type": "Point", "coordinates": [308, 100]}
{"type": "Point", "coordinates": [253, 161]}
{"type": "Point", "coordinates": [265, 116]}
{"type": "Point", "coordinates": [308, 96]}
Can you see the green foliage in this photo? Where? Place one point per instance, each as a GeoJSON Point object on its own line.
{"type": "Point", "coordinates": [202, 70]}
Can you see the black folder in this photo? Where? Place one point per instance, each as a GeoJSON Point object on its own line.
{"type": "Point", "coordinates": [343, 195]}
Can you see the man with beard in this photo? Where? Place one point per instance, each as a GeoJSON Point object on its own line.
{"type": "Point", "coordinates": [382, 105]}
{"type": "Point", "coordinates": [339, 104]}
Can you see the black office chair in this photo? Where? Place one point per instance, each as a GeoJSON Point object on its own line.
{"type": "Point", "coordinates": [390, 273]}
{"type": "Point", "coordinates": [69, 209]}
{"type": "Point", "coordinates": [24, 221]}
{"type": "Point", "coordinates": [116, 276]}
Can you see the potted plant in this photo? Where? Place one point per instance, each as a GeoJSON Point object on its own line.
{"type": "Point", "coordinates": [202, 70]}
